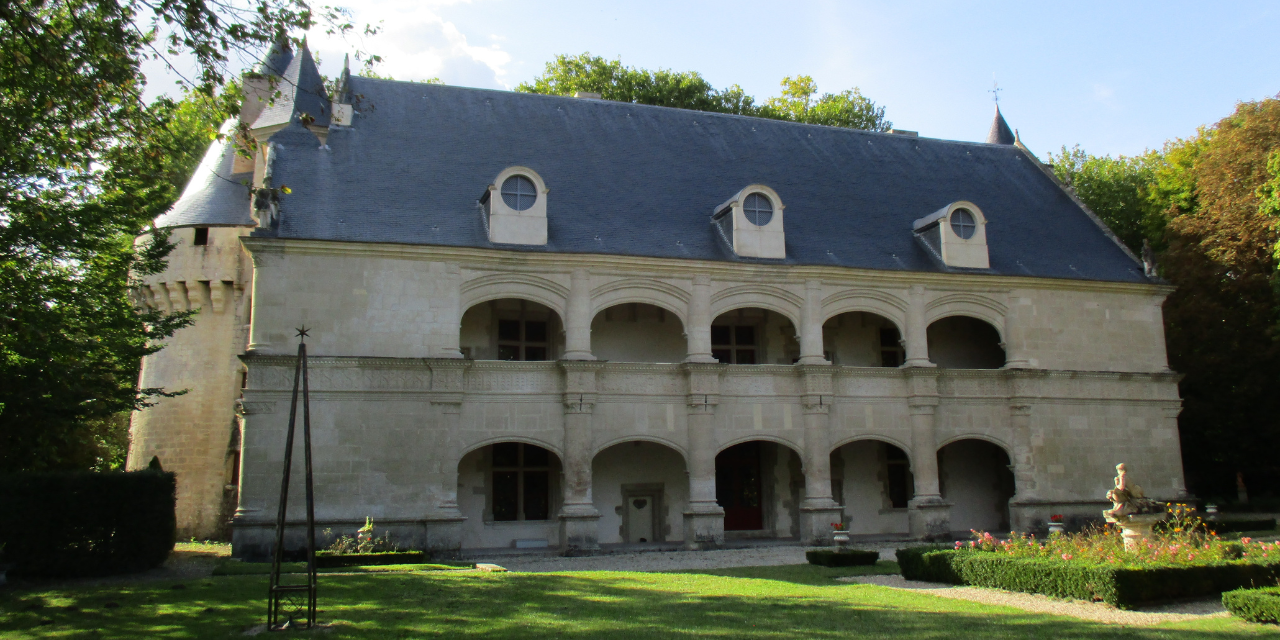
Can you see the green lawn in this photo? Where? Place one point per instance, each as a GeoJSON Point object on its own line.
{"type": "Point", "coordinates": [765, 602]}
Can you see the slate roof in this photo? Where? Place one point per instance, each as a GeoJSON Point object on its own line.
{"type": "Point", "coordinates": [214, 197]}
{"type": "Point", "coordinates": [639, 180]}
{"type": "Point", "coordinates": [301, 91]}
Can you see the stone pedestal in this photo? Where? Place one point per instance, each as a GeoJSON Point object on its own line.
{"type": "Point", "coordinates": [929, 519]}
{"type": "Point", "coordinates": [704, 528]}
{"type": "Point", "coordinates": [1135, 527]}
{"type": "Point", "coordinates": [579, 530]}
{"type": "Point", "coordinates": [815, 522]}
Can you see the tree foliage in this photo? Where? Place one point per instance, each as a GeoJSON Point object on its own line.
{"type": "Point", "coordinates": [1208, 204]}
{"type": "Point", "coordinates": [85, 165]}
{"type": "Point", "coordinates": [689, 90]}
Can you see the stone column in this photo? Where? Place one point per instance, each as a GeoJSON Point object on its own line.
{"type": "Point", "coordinates": [704, 518]}
{"type": "Point", "coordinates": [818, 510]}
{"type": "Point", "coordinates": [1015, 341]}
{"type": "Point", "coordinates": [577, 322]}
{"type": "Point", "coordinates": [446, 338]}
{"type": "Point", "coordinates": [578, 515]}
{"type": "Point", "coordinates": [444, 519]}
{"type": "Point", "coordinates": [917, 338]}
{"type": "Point", "coordinates": [811, 325]}
{"type": "Point", "coordinates": [929, 515]}
{"type": "Point", "coordinates": [266, 262]}
{"type": "Point", "coordinates": [698, 328]}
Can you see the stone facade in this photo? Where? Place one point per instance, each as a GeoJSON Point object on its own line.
{"type": "Point", "coordinates": [403, 422]}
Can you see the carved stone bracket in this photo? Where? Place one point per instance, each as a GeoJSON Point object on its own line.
{"type": "Point", "coordinates": [1020, 407]}
{"type": "Point", "coordinates": [816, 404]}
{"type": "Point", "coordinates": [702, 402]}
{"type": "Point", "coordinates": [581, 402]}
{"type": "Point", "coordinates": [248, 408]}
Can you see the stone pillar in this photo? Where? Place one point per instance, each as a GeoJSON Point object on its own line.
{"type": "Point", "coordinates": [446, 341]}
{"type": "Point", "coordinates": [444, 519]}
{"type": "Point", "coordinates": [1170, 414]}
{"type": "Point", "coordinates": [698, 328]}
{"type": "Point", "coordinates": [811, 325]}
{"type": "Point", "coordinates": [817, 510]}
{"type": "Point", "coordinates": [929, 516]}
{"type": "Point", "coordinates": [704, 518]}
{"type": "Point", "coordinates": [1015, 341]}
{"type": "Point", "coordinates": [917, 338]}
{"type": "Point", "coordinates": [266, 260]}
{"type": "Point", "coordinates": [578, 515]}
{"type": "Point", "coordinates": [577, 322]}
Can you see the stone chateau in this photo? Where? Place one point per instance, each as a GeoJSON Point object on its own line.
{"type": "Point", "coordinates": [565, 322]}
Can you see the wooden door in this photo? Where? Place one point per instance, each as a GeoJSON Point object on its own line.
{"type": "Point", "coordinates": [739, 487]}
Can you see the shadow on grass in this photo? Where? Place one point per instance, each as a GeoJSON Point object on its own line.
{"type": "Point", "coordinates": [577, 605]}
{"type": "Point", "coordinates": [806, 574]}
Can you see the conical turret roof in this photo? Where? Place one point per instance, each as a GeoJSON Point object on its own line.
{"type": "Point", "coordinates": [1000, 131]}
{"type": "Point", "coordinates": [301, 92]}
{"type": "Point", "coordinates": [277, 59]}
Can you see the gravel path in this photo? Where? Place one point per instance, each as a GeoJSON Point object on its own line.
{"type": "Point", "coordinates": [1093, 611]}
{"type": "Point", "coordinates": [661, 560]}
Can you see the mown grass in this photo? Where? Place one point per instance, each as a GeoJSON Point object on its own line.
{"type": "Point", "coordinates": [766, 603]}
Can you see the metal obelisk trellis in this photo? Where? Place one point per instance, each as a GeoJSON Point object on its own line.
{"type": "Point", "coordinates": [286, 607]}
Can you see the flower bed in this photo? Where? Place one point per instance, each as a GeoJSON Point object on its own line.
{"type": "Point", "coordinates": [1254, 605]}
{"type": "Point", "coordinates": [325, 559]}
{"type": "Point", "coordinates": [842, 557]}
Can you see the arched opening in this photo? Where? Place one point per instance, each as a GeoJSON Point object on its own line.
{"type": "Point", "coordinates": [641, 490]}
{"type": "Point", "coordinates": [974, 476]}
{"type": "Point", "coordinates": [961, 342]}
{"type": "Point", "coordinates": [637, 332]}
{"type": "Point", "coordinates": [862, 339]}
{"type": "Point", "coordinates": [754, 336]}
{"type": "Point", "coordinates": [511, 329]}
{"type": "Point", "coordinates": [510, 495]}
{"type": "Point", "coordinates": [759, 484]}
{"type": "Point", "coordinates": [872, 480]}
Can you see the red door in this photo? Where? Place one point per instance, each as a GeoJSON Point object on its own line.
{"type": "Point", "coordinates": [738, 487]}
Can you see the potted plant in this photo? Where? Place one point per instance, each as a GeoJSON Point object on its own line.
{"type": "Point", "coordinates": [839, 534]}
{"type": "Point", "coordinates": [1056, 525]}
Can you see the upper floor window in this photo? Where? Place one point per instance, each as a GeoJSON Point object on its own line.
{"type": "Point", "coordinates": [963, 223]}
{"type": "Point", "coordinates": [734, 344]}
{"type": "Point", "coordinates": [891, 352]}
{"type": "Point", "coordinates": [202, 236]}
{"type": "Point", "coordinates": [519, 193]}
{"type": "Point", "coordinates": [522, 340]}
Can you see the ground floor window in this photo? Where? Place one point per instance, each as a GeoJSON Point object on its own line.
{"type": "Point", "coordinates": [521, 482]}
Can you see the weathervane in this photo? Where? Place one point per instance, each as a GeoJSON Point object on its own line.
{"type": "Point", "coordinates": [995, 91]}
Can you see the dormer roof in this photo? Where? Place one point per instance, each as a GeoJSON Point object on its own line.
{"type": "Point", "coordinates": [301, 91]}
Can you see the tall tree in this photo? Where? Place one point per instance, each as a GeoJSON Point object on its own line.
{"type": "Point", "coordinates": [689, 90]}
{"type": "Point", "coordinates": [85, 165]}
{"type": "Point", "coordinates": [1117, 189]}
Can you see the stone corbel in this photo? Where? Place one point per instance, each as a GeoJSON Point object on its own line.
{"type": "Point", "coordinates": [217, 295]}
{"type": "Point", "coordinates": [702, 402]}
{"type": "Point", "coordinates": [816, 404]}
{"type": "Point", "coordinates": [580, 402]}
{"type": "Point", "coordinates": [257, 407]}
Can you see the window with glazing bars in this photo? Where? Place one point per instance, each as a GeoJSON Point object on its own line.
{"type": "Point", "coordinates": [734, 344]}
{"type": "Point", "coordinates": [521, 482]}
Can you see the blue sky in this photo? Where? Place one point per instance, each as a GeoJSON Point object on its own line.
{"type": "Point", "coordinates": [1114, 77]}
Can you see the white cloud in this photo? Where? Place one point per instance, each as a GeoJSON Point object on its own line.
{"type": "Point", "coordinates": [416, 43]}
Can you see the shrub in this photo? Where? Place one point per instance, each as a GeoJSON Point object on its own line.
{"type": "Point", "coordinates": [842, 557]}
{"type": "Point", "coordinates": [929, 563]}
{"type": "Point", "coordinates": [1233, 526]}
{"type": "Point", "coordinates": [326, 559]}
{"type": "Point", "coordinates": [1254, 605]}
{"type": "Point", "coordinates": [86, 524]}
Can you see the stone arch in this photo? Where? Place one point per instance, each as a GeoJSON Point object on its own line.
{"type": "Point", "coordinates": [758, 483]}
{"type": "Point", "coordinates": [1004, 446]}
{"type": "Point", "coordinates": [646, 290]}
{"type": "Point", "coordinates": [797, 448]}
{"type": "Point", "coordinates": [513, 285]}
{"type": "Point", "coordinates": [643, 438]}
{"type": "Point", "coordinates": [511, 438]}
{"type": "Point", "coordinates": [876, 438]}
{"type": "Point", "coordinates": [880, 303]}
{"type": "Point", "coordinates": [640, 487]}
{"type": "Point", "coordinates": [768, 297]}
{"type": "Point", "coordinates": [965, 341]}
{"type": "Point", "coordinates": [967, 304]}
{"type": "Point", "coordinates": [974, 475]}
{"type": "Point", "coordinates": [633, 331]}
{"type": "Point", "coordinates": [862, 335]}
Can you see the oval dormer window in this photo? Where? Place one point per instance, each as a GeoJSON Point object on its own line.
{"type": "Point", "coordinates": [758, 209]}
{"type": "Point", "coordinates": [963, 223]}
{"type": "Point", "coordinates": [519, 193]}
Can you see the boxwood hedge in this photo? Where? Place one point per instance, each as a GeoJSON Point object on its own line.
{"type": "Point", "coordinates": [841, 557]}
{"type": "Point", "coordinates": [1254, 605]}
{"type": "Point", "coordinates": [86, 524]}
{"type": "Point", "coordinates": [1120, 586]}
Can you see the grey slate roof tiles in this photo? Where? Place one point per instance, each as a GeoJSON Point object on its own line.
{"type": "Point", "coordinates": [301, 92]}
{"type": "Point", "coordinates": [639, 180]}
{"type": "Point", "coordinates": [214, 196]}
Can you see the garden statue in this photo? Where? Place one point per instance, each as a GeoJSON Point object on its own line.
{"type": "Point", "coordinates": [1131, 509]}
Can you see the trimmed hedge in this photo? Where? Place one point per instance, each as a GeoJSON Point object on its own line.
{"type": "Point", "coordinates": [842, 557]}
{"type": "Point", "coordinates": [1123, 587]}
{"type": "Point", "coordinates": [326, 560]}
{"type": "Point", "coordinates": [1236, 526]}
{"type": "Point", "coordinates": [86, 524]}
{"type": "Point", "coordinates": [1254, 605]}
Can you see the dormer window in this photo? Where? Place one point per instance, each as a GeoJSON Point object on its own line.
{"type": "Point", "coordinates": [956, 234]}
{"type": "Point", "coordinates": [751, 222]}
{"type": "Point", "coordinates": [519, 193]}
{"type": "Point", "coordinates": [515, 207]}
